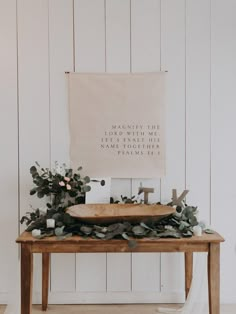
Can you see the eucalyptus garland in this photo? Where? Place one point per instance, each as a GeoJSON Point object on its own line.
{"type": "Point", "coordinates": [63, 188]}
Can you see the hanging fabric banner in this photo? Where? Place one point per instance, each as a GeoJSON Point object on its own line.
{"type": "Point", "coordinates": [117, 124]}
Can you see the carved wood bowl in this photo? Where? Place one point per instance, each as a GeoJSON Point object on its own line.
{"type": "Point", "coordinates": [111, 213]}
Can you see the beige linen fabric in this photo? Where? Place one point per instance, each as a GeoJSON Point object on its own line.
{"type": "Point", "coordinates": [117, 124]}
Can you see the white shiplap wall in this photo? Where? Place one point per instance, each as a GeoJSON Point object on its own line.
{"type": "Point", "coordinates": [9, 144]}
{"type": "Point", "coordinates": [223, 130]}
{"type": "Point", "coordinates": [195, 41]}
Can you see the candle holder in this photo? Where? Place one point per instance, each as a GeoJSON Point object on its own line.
{"type": "Point", "coordinates": [50, 223]}
{"type": "Point", "coordinates": [197, 231]}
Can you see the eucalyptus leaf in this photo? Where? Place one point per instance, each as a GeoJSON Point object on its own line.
{"type": "Point", "coordinates": [56, 216]}
{"type": "Point", "coordinates": [86, 188]}
{"type": "Point", "coordinates": [170, 228]}
{"type": "Point", "coordinates": [59, 231]}
{"type": "Point", "coordinates": [64, 236]}
{"type": "Point", "coordinates": [138, 230]}
{"type": "Point", "coordinates": [33, 191]}
{"type": "Point", "coordinates": [142, 224]}
{"type": "Point", "coordinates": [44, 235]}
{"type": "Point", "coordinates": [209, 231]}
{"type": "Point", "coordinates": [178, 209]}
{"type": "Point", "coordinates": [132, 244]}
{"type": "Point", "coordinates": [40, 194]}
{"type": "Point", "coordinates": [185, 223]}
{"type": "Point", "coordinates": [169, 234]}
{"type": "Point", "coordinates": [187, 234]}
{"type": "Point", "coordinates": [193, 221]}
{"type": "Point", "coordinates": [100, 228]}
{"type": "Point", "coordinates": [33, 169]}
{"type": "Point", "coordinates": [100, 235]}
{"type": "Point", "coordinates": [153, 234]}
{"type": "Point", "coordinates": [125, 236]}
{"type": "Point", "coordinates": [86, 230]}
{"type": "Point", "coordinates": [104, 230]}
{"type": "Point", "coordinates": [86, 179]}
{"type": "Point", "coordinates": [127, 225]}
{"type": "Point", "coordinates": [109, 235]}
{"type": "Point", "coordinates": [102, 182]}
{"type": "Point", "coordinates": [181, 226]}
{"type": "Point", "coordinates": [59, 223]}
{"type": "Point", "coordinates": [112, 227]}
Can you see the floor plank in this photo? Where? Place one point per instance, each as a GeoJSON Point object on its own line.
{"type": "Point", "coordinates": [114, 309]}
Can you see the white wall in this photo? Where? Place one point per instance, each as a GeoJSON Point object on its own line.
{"type": "Point", "coordinates": [195, 41]}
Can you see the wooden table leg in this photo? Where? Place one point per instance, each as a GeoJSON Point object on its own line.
{"type": "Point", "coordinates": [26, 278]}
{"type": "Point", "coordinates": [214, 278]}
{"type": "Point", "coordinates": [188, 257]}
{"type": "Point", "coordinates": [45, 279]}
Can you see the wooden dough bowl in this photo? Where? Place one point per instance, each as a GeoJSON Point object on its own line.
{"type": "Point", "coordinates": [111, 213]}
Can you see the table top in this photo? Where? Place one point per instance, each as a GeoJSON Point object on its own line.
{"type": "Point", "coordinates": [26, 237]}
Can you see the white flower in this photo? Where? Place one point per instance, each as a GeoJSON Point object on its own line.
{"type": "Point", "coordinates": [68, 187]}
{"type": "Point", "coordinates": [66, 179]}
{"type": "Point", "coordinates": [62, 183]}
{"type": "Point", "coordinates": [59, 169]}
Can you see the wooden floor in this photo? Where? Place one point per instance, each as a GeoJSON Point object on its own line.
{"type": "Point", "coordinates": [114, 309]}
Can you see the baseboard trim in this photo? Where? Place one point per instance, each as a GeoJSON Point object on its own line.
{"type": "Point", "coordinates": [111, 297]}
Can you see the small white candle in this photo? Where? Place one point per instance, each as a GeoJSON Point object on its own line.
{"type": "Point", "coordinates": [36, 232]}
{"type": "Point", "coordinates": [50, 223]}
{"type": "Point", "coordinates": [197, 231]}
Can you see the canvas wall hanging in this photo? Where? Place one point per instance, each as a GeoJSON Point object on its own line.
{"type": "Point", "coordinates": [117, 124]}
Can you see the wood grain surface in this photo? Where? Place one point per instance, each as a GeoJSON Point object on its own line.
{"type": "Point", "coordinates": [108, 213]}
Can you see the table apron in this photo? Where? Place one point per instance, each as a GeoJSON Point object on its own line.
{"type": "Point", "coordinates": [68, 247]}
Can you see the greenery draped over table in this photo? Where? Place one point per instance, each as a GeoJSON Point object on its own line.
{"type": "Point", "coordinates": [64, 187]}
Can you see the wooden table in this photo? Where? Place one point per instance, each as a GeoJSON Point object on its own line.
{"type": "Point", "coordinates": [207, 243]}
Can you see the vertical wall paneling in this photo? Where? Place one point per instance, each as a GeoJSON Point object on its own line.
{"type": "Point", "coordinates": [89, 36]}
{"type": "Point", "coordinates": [145, 57]}
{"type": "Point", "coordinates": [61, 60]}
{"type": "Point", "coordinates": [163, 55]}
{"type": "Point", "coordinates": [33, 67]}
{"type": "Point", "coordinates": [145, 35]}
{"type": "Point", "coordinates": [99, 194]}
{"type": "Point", "coordinates": [223, 92]}
{"type": "Point", "coordinates": [96, 280]}
{"type": "Point", "coordinates": [9, 146]}
{"type": "Point", "coordinates": [174, 56]}
{"type": "Point", "coordinates": [118, 36]}
{"type": "Point", "coordinates": [146, 272]}
{"type": "Point", "coordinates": [198, 105]}
{"type": "Point", "coordinates": [89, 19]}
{"type": "Point", "coordinates": [120, 187]}
{"type": "Point", "coordinates": [195, 42]}
{"type": "Point", "coordinates": [118, 60]}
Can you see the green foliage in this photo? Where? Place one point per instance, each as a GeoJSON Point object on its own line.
{"type": "Point", "coordinates": [126, 200]}
{"type": "Point", "coordinates": [63, 187]}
